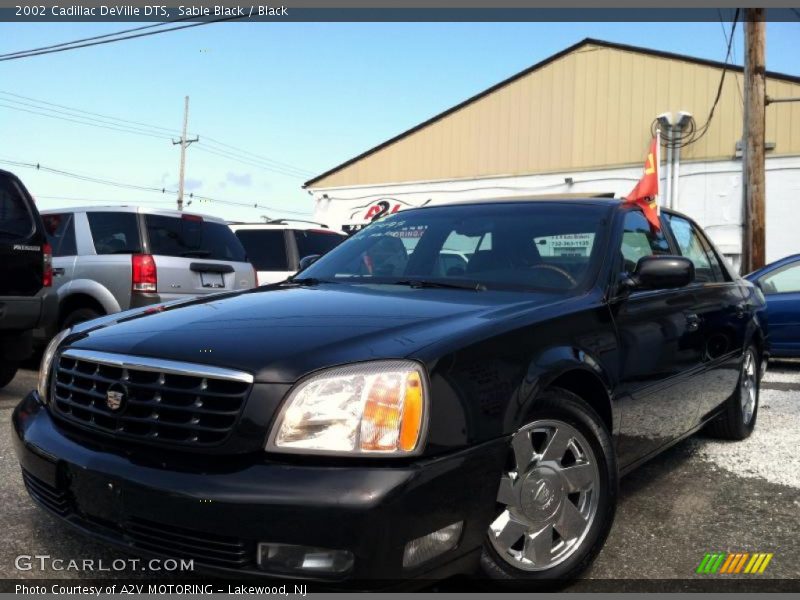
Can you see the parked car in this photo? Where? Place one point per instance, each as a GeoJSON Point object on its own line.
{"type": "Point", "coordinates": [25, 275]}
{"type": "Point", "coordinates": [367, 419]}
{"type": "Point", "coordinates": [780, 283]}
{"type": "Point", "coordinates": [277, 247]}
{"type": "Point", "coordinates": [112, 258]}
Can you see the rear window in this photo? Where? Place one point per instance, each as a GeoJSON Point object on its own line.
{"type": "Point", "coordinates": [316, 242]}
{"type": "Point", "coordinates": [266, 248]}
{"type": "Point", "coordinates": [15, 219]}
{"type": "Point", "coordinates": [115, 232]}
{"type": "Point", "coordinates": [192, 237]}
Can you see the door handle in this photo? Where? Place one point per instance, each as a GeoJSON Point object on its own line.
{"type": "Point", "coordinates": [57, 271]}
{"type": "Point", "coordinates": [692, 322]}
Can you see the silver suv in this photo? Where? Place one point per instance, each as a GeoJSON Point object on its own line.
{"type": "Point", "coordinates": [107, 259]}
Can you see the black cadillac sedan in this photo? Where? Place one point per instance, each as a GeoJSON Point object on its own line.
{"type": "Point", "coordinates": [455, 389]}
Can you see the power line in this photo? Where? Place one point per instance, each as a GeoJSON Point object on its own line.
{"type": "Point", "coordinates": [76, 119]}
{"type": "Point", "coordinates": [224, 154]}
{"type": "Point", "coordinates": [253, 155]}
{"type": "Point", "coordinates": [97, 37]}
{"type": "Point", "coordinates": [143, 188]}
{"type": "Point", "coordinates": [93, 119]}
{"type": "Point", "coordinates": [86, 112]}
{"type": "Point", "coordinates": [75, 45]}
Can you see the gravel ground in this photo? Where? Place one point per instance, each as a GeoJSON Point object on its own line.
{"type": "Point", "coordinates": [771, 452]}
{"type": "Point", "coordinates": [700, 496]}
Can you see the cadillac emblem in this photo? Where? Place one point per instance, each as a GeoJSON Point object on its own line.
{"type": "Point", "coordinates": [115, 397]}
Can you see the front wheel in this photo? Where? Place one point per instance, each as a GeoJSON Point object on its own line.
{"type": "Point", "coordinates": [557, 497]}
{"type": "Point", "coordinates": [738, 417]}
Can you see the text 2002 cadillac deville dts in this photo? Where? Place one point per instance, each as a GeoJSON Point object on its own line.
{"type": "Point", "coordinates": [453, 389]}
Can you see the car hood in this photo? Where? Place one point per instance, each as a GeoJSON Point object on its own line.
{"type": "Point", "coordinates": [281, 334]}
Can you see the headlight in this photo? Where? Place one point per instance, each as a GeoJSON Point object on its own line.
{"type": "Point", "coordinates": [47, 363]}
{"type": "Point", "coordinates": [374, 408]}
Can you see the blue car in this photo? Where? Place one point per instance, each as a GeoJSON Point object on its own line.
{"type": "Point", "coordinates": [780, 282]}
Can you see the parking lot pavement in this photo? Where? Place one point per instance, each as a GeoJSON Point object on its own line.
{"type": "Point", "coordinates": [701, 496]}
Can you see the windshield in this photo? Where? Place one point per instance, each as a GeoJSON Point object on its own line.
{"type": "Point", "coordinates": [551, 246]}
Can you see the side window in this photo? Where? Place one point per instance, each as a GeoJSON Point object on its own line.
{"type": "Point", "coordinates": [60, 230]}
{"type": "Point", "coordinates": [115, 232]}
{"type": "Point", "coordinates": [15, 219]}
{"type": "Point", "coordinates": [638, 240]}
{"type": "Point", "coordinates": [706, 266]}
{"type": "Point", "coordinates": [265, 248]}
{"type": "Point", "coordinates": [783, 281]}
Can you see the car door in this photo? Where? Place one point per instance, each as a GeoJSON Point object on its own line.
{"type": "Point", "coordinates": [60, 230]}
{"type": "Point", "coordinates": [781, 288]}
{"type": "Point", "coordinates": [659, 349]}
{"type": "Point", "coordinates": [721, 317]}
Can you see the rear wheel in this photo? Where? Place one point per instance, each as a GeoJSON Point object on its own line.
{"type": "Point", "coordinates": [738, 418]}
{"type": "Point", "coordinates": [79, 315]}
{"type": "Point", "coordinates": [557, 497]}
{"type": "Point", "coordinates": [7, 372]}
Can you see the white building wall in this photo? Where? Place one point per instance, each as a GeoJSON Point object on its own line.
{"type": "Point", "coordinates": [709, 192]}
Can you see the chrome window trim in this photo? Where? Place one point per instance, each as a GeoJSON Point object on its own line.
{"type": "Point", "coordinates": [142, 363]}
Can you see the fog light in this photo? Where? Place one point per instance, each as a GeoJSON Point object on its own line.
{"type": "Point", "coordinates": [427, 547]}
{"type": "Point", "coordinates": [287, 558]}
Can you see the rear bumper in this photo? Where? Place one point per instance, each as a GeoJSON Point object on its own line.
{"type": "Point", "coordinates": [217, 516]}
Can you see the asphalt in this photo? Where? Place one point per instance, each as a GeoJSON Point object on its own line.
{"type": "Point", "coordinates": [693, 499]}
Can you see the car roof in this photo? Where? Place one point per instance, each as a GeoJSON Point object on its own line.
{"type": "Point", "coordinates": [166, 212]}
{"type": "Point", "coordinates": [609, 202]}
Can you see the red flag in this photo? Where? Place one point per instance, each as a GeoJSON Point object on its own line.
{"type": "Point", "coordinates": [646, 191]}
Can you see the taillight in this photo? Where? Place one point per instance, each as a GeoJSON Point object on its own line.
{"type": "Point", "coordinates": [47, 263]}
{"type": "Point", "coordinates": [143, 273]}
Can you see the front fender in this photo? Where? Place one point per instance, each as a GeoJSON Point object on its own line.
{"type": "Point", "coordinates": [548, 366]}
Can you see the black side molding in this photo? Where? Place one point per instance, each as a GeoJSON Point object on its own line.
{"type": "Point", "coordinates": [210, 268]}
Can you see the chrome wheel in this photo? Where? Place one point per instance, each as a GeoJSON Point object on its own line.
{"type": "Point", "coordinates": [749, 388]}
{"type": "Point", "coordinates": [549, 496]}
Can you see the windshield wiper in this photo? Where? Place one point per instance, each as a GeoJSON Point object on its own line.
{"type": "Point", "coordinates": [307, 280]}
{"type": "Point", "coordinates": [453, 285]}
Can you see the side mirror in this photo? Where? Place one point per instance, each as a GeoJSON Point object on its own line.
{"type": "Point", "coordinates": [662, 272]}
{"type": "Point", "coordinates": [307, 261]}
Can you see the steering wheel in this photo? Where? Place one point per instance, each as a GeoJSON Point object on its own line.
{"type": "Point", "coordinates": [554, 269]}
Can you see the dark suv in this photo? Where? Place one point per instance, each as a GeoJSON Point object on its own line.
{"type": "Point", "coordinates": [390, 413]}
{"type": "Point", "coordinates": [25, 275]}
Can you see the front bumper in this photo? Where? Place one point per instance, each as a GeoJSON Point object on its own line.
{"type": "Point", "coordinates": [216, 514]}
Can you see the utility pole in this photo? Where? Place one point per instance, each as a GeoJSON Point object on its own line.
{"type": "Point", "coordinates": [184, 144]}
{"type": "Point", "coordinates": [753, 221]}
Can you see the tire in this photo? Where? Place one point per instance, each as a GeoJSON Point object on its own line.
{"type": "Point", "coordinates": [7, 372]}
{"type": "Point", "coordinates": [539, 508]}
{"type": "Point", "coordinates": [738, 417]}
{"type": "Point", "coordinates": [79, 315]}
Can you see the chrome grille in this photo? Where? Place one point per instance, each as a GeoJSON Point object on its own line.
{"type": "Point", "coordinates": [160, 401]}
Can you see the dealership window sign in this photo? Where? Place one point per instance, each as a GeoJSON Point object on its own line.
{"type": "Point", "coordinates": [363, 215]}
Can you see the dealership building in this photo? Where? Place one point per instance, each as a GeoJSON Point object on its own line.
{"type": "Point", "coordinates": [579, 124]}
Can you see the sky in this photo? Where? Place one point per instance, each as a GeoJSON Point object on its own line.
{"type": "Point", "coordinates": [307, 95]}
